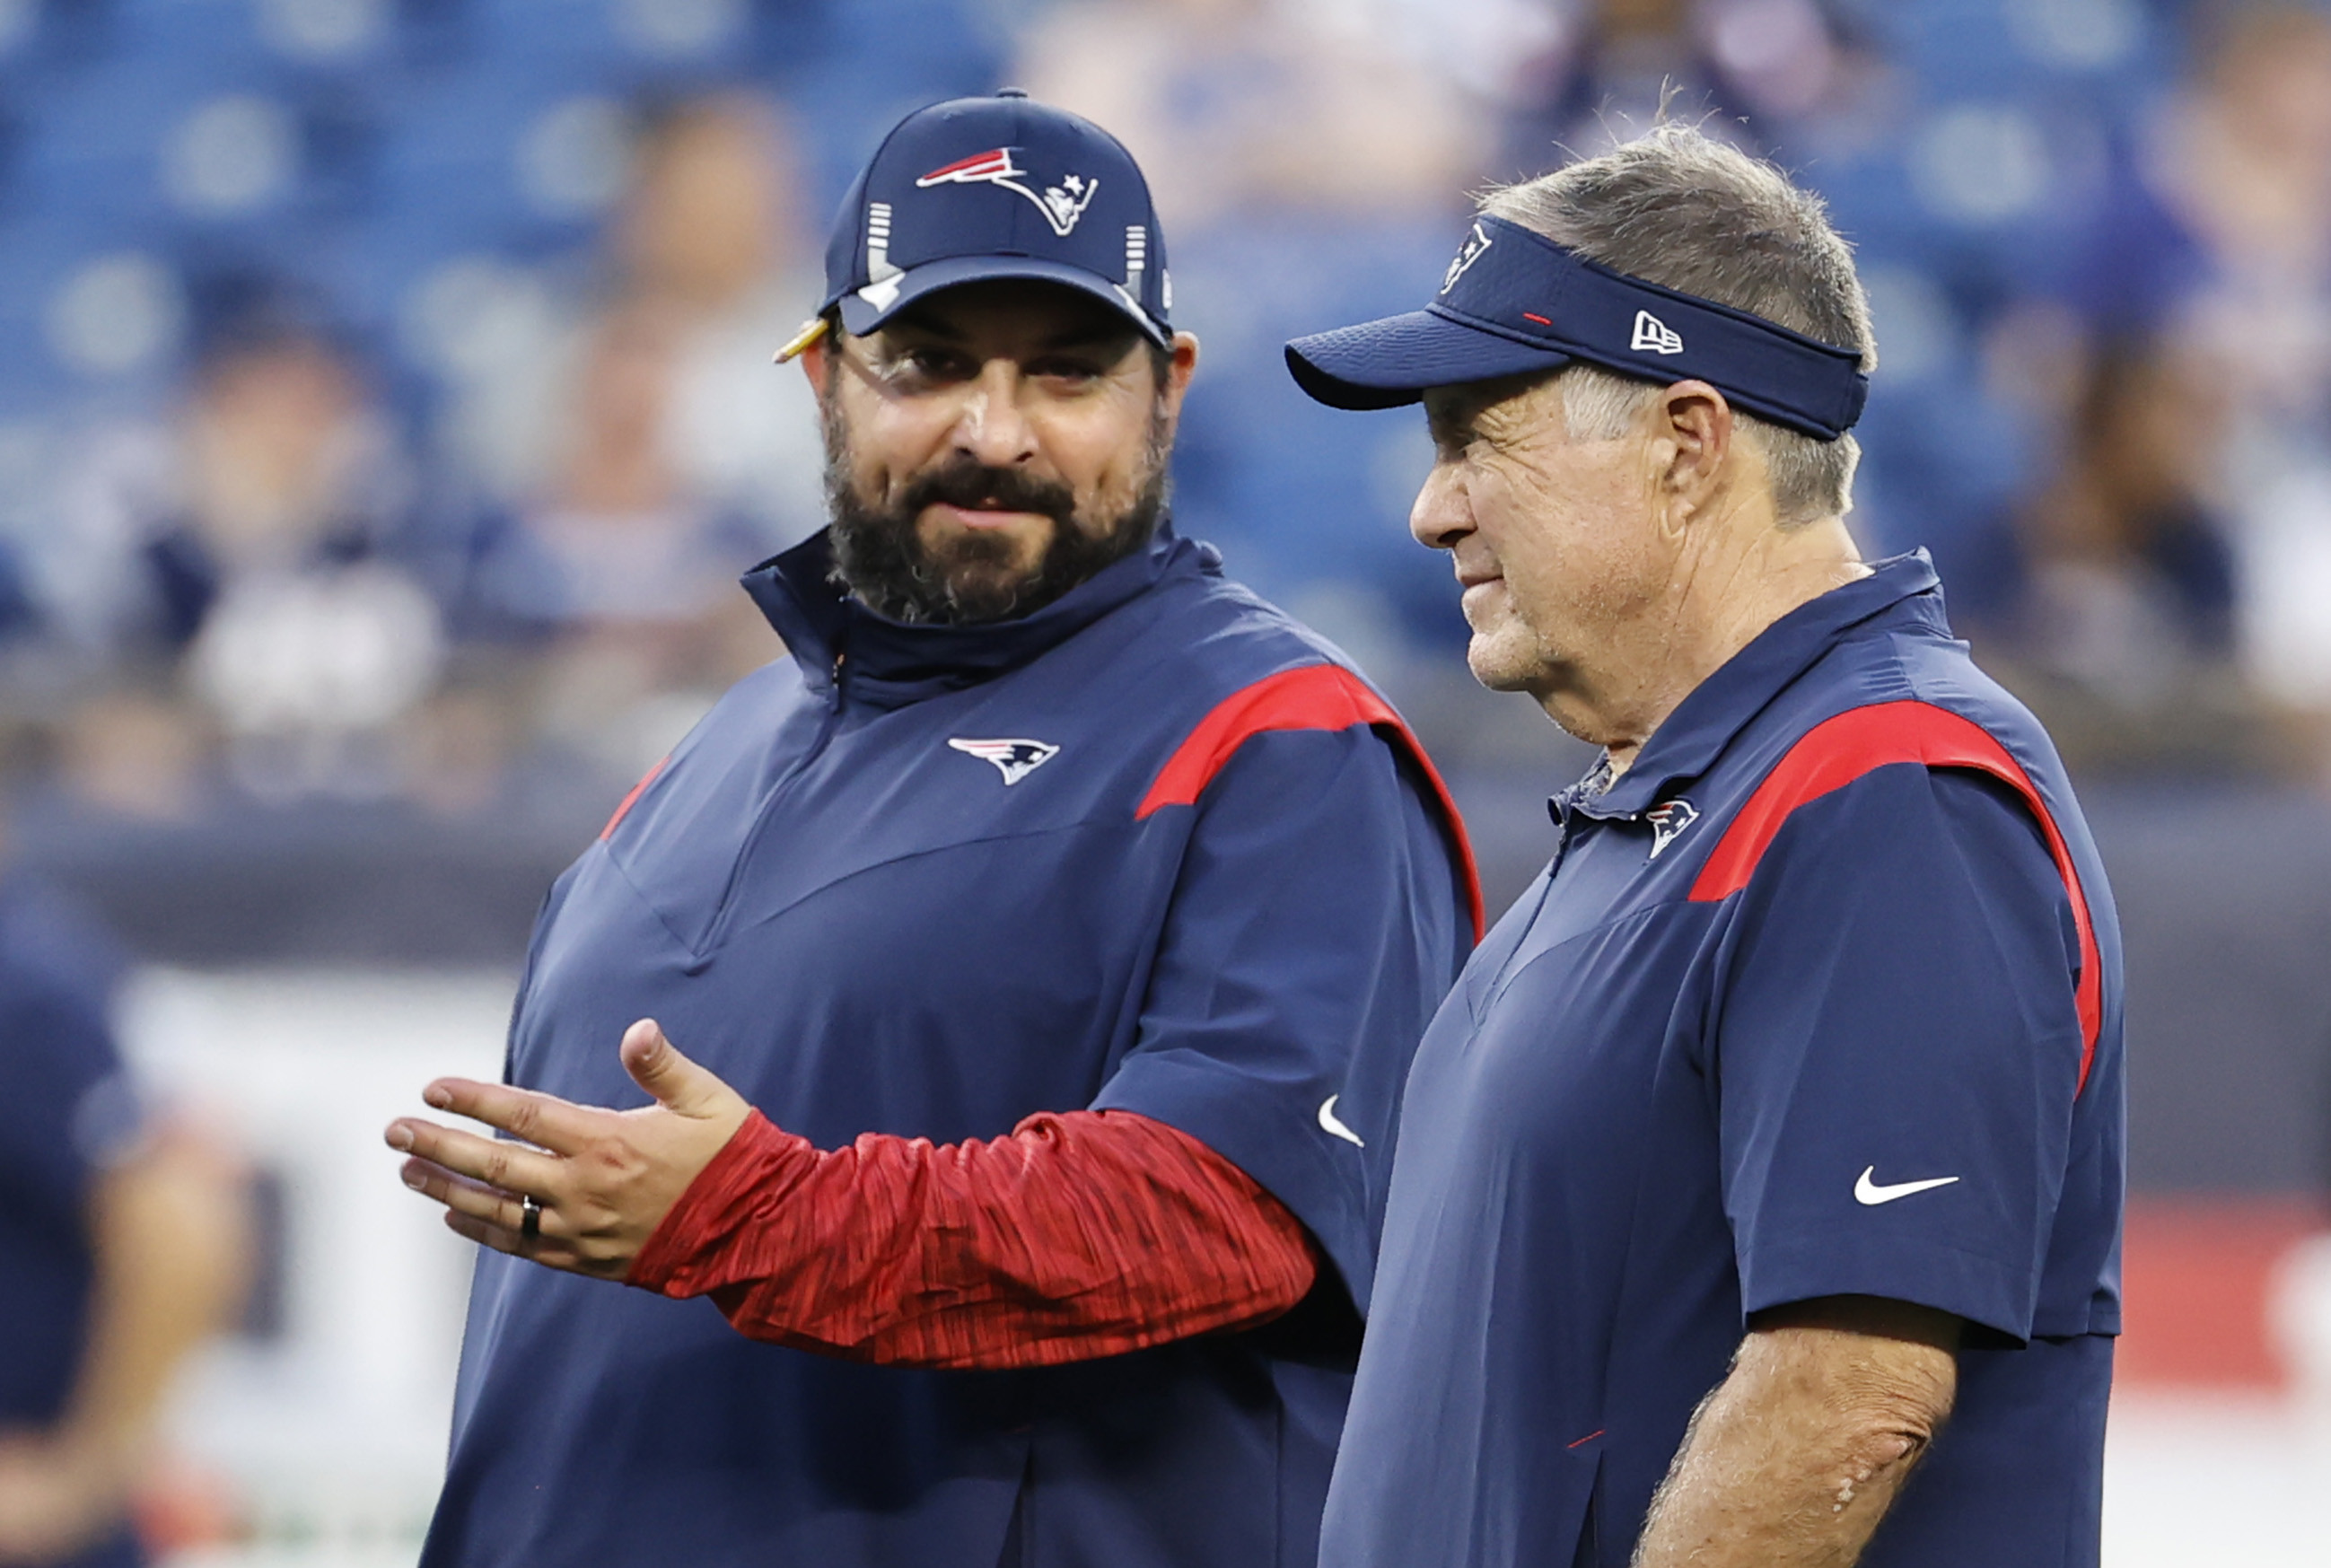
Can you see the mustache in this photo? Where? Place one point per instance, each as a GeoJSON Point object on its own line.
{"type": "Point", "coordinates": [963, 481]}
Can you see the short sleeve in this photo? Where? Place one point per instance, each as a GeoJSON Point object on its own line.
{"type": "Point", "coordinates": [1897, 1049]}
{"type": "Point", "coordinates": [69, 1110]}
{"type": "Point", "coordinates": [1316, 924]}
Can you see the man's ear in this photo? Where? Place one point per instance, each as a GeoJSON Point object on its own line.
{"type": "Point", "coordinates": [1696, 429]}
{"type": "Point", "coordinates": [1183, 365]}
{"type": "Point", "coordinates": [816, 364]}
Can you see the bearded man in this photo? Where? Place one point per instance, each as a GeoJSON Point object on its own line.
{"type": "Point", "coordinates": [1048, 934]}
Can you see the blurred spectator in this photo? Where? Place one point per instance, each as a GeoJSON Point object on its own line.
{"type": "Point", "coordinates": [628, 571]}
{"type": "Point", "coordinates": [661, 455]}
{"type": "Point", "coordinates": [707, 237]}
{"type": "Point", "coordinates": [2242, 168]}
{"type": "Point", "coordinates": [1605, 69]}
{"type": "Point", "coordinates": [2224, 231]}
{"type": "Point", "coordinates": [244, 551]}
{"type": "Point", "coordinates": [2109, 604]}
{"type": "Point", "coordinates": [124, 1243]}
{"type": "Point", "coordinates": [712, 233]}
{"type": "Point", "coordinates": [618, 535]}
{"type": "Point", "coordinates": [1259, 106]}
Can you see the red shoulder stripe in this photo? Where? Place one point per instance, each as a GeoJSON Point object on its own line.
{"type": "Point", "coordinates": [624, 808]}
{"type": "Point", "coordinates": [1833, 754]}
{"type": "Point", "coordinates": [1314, 697]}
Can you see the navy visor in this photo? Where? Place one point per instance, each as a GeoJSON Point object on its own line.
{"type": "Point", "coordinates": [1515, 302]}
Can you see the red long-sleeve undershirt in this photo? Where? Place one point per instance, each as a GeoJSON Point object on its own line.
{"type": "Point", "coordinates": [1082, 1234]}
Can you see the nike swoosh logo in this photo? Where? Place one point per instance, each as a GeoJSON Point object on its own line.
{"type": "Point", "coordinates": [1328, 1122]}
{"type": "Point", "coordinates": [1866, 1191]}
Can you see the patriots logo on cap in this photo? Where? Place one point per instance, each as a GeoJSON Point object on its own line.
{"type": "Point", "coordinates": [1061, 204]}
{"type": "Point", "coordinates": [1668, 819]}
{"type": "Point", "coordinates": [1468, 253]}
{"type": "Point", "coordinates": [1015, 759]}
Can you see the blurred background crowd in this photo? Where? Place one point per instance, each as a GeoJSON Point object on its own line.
{"type": "Point", "coordinates": [387, 413]}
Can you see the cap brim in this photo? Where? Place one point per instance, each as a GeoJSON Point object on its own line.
{"type": "Point", "coordinates": [862, 315]}
{"type": "Point", "coordinates": [1390, 363]}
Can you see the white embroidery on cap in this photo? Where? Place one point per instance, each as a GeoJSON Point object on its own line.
{"type": "Point", "coordinates": [1653, 336]}
{"type": "Point", "coordinates": [1468, 253]}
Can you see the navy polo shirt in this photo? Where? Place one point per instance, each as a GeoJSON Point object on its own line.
{"type": "Point", "coordinates": [67, 1113]}
{"type": "Point", "coordinates": [1822, 997]}
{"type": "Point", "coordinates": [1154, 847]}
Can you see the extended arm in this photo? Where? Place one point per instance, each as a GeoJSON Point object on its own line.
{"type": "Point", "coordinates": [1799, 1451]}
{"type": "Point", "coordinates": [1204, 1189]}
{"type": "Point", "coordinates": [1079, 1235]}
{"type": "Point", "coordinates": [171, 1240]}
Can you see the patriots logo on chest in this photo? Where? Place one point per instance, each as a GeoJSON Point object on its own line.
{"type": "Point", "coordinates": [1668, 819]}
{"type": "Point", "coordinates": [1015, 759]}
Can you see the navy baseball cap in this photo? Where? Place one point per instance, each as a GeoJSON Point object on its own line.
{"type": "Point", "coordinates": [1513, 302]}
{"type": "Point", "coordinates": [995, 187]}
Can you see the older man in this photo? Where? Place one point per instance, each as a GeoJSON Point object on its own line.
{"type": "Point", "coordinates": [1064, 919]}
{"type": "Point", "coordinates": [1780, 1124]}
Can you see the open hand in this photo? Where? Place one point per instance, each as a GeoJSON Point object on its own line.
{"type": "Point", "coordinates": [604, 1179]}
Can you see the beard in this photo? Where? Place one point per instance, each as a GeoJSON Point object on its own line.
{"type": "Point", "coordinates": [880, 556]}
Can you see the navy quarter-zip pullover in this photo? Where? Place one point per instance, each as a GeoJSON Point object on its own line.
{"type": "Point", "coordinates": [1153, 848]}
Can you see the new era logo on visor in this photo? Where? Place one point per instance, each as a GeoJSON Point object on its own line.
{"type": "Point", "coordinates": [1062, 205]}
{"type": "Point", "coordinates": [1015, 759]}
{"type": "Point", "coordinates": [1653, 336]}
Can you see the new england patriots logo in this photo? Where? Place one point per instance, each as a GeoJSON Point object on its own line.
{"type": "Point", "coordinates": [1015, 759]}
{"type": "Point", "coordinates": [1668, 819]}
{"type": "Point", "coordinates": [1061, 204]}
{"type": "Point", "coordinates": [1466, 254]}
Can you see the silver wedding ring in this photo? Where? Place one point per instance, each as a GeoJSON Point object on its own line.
{"type": "Point", "coordinates": [530, 1227]}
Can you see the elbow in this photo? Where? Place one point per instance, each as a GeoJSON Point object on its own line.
{"type": "Point", "coordinates": [1888, 1426]}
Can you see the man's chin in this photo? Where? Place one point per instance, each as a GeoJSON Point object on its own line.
{"type": "Point", "coordinates": [988, 591]}
{"type": "Point", "coordinates": [1494, 665]}
{"type": "Point", "coordinates": [986, 571]}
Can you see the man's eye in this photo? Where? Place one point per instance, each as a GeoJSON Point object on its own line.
{"type": "Point", "coordinates": [1064, 369]}
{"type": "Point", "coordinates": [923, 366]}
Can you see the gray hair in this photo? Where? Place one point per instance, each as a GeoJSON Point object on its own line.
{"type": "Point", "coordinates": [1682, 210]}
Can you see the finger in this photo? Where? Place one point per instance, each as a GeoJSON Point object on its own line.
{"type": "Point", "coordinates": [678, 1084]}
{"type": "Point", "coordinates": [475, 1199]}
{"type": "Point", "coordinates": [502, 1238]}
{"type": "Point", "coordinates": [493, 1161]}
{"type": "Point", "coordinates": [548, 1253]}
{"type": "Point", "coordinates": [543, 1120]}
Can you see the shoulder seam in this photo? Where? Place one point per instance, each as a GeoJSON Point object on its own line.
{"type": "Point", "coordinates": [1307, 696]}
{"type": "Point", "coordinates": [1851, 745]}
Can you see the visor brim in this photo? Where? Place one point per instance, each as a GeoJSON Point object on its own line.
{"type": "Point", "coordinates": [1390, 363]}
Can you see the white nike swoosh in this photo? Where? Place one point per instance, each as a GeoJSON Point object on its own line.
{"type": "Point", "coordinates": [1866, 1191]}
{"type": "Point", "coordinates": [1327, 1120]}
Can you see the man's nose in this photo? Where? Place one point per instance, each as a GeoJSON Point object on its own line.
{"type": "Point", "coordinates": [993, 430]}
{"type": "Point", "coordinates": [1441, 514]}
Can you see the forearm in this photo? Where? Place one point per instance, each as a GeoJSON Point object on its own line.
{"type": "Point", "coordinates": [1796, 1456]}
{"type": "Point", "coordinates": [1080, 1235]}
{"type": "Point", "coordinates": [173, 1242]}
